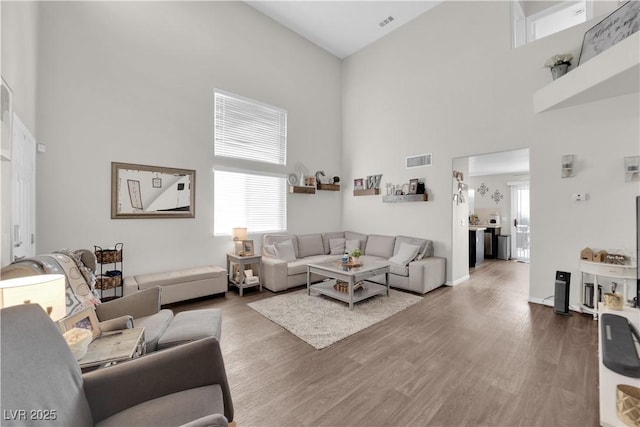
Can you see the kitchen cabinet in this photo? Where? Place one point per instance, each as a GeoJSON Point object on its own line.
{"type": "Point", "coordinates": [476, 246]}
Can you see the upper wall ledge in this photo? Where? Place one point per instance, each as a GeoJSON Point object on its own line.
{"type": "Point", "coordinates": [614, 72]}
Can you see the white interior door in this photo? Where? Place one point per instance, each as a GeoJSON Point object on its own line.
{"type": "Point", "coordinates": [520, 225]}
{"type": "Point", "coordinates": [23, 165]}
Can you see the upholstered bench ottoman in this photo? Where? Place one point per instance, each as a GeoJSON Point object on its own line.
{"type": "Point", "coordinates": [181, 285]}
{"type": "Point", "coordinates": [192, 325]}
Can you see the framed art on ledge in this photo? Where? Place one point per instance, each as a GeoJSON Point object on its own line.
{"type": "Point", "coordinates": [619, 25]}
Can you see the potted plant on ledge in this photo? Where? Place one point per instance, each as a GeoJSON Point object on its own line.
{"type": "Point", "coordinates": [559, 64]}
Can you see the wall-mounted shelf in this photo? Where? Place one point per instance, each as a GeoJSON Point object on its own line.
{"type": "Point", "coordinates": [329, 187]}
{"type": "Point", "coordinates": [612, 73]}
{"type": "Point", "coordinates": [367, 192]}
{"type": "Point", "coordinates": [406, 198]}
{"type": "Point", "coordinates": [297, 189]}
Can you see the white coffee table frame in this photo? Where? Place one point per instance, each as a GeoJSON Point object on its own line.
{"type": "Point", "coordinates": [352, 275]}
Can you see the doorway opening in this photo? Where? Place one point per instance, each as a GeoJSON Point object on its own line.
{"type": "Point", "coordinates": [497, 208]}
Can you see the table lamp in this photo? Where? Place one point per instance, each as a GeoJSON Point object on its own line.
{"type": "Point", "coordinates": [239, 234]}
{"type": "Point", "coordinates": [48, 290]}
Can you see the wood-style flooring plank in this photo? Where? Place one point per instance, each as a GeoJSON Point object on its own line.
{"type": "Point", "coordinates": [474, 354]}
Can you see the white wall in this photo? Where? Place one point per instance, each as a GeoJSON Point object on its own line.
{"type": "Point", "coordinates": [133, 82]}
{"type": "Point", "coordinates": [459, 89]}
{"type": "Point", "coordinates": [18, 68]}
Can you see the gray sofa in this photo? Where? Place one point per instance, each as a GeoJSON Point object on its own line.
{"type": "Point", "coordinates": [281, 270]}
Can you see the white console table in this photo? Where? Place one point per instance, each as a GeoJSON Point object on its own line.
{"type": "Point", "coordinates": [608, 380]}
{"type": "Point", "coordinates": [611, 271]}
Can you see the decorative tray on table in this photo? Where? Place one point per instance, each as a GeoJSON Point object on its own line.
{"type": "Point", "coordinates": [352, 263]}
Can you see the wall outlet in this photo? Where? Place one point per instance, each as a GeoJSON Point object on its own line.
{"type": "Point", "coordinates": [579, 197]}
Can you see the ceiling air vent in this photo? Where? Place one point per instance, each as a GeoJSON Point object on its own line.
{"type": "Point", "coordinates": [385, 21]}
{"type": "Point", "coordinates": [418, 161]}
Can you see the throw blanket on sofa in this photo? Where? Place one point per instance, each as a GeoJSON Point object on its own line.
{"type": "Point", "coordinates": [79, 294]}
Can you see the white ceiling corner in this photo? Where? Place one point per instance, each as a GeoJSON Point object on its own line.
{"type": "Point", "coordinates": [342, 27]}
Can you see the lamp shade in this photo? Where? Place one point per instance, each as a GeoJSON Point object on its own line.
{"type": "Point", "coordinates": [239, 233]}
{"type": "Point", "coordinates": [48, 290]}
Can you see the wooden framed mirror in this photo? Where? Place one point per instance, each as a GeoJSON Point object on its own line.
{"type": "Point", "coordinates": [142, 191]}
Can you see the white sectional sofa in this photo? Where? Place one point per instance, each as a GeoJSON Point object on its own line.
{"type": "Point", "coordinates": [285, 258]}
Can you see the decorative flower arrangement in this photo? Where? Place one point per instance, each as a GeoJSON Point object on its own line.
{"type": "Point", "coordinates": [561, 58]}
{"type": "Point", "coordinates": [356, 253]}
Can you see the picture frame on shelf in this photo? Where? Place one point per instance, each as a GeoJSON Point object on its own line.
{"type": "Point", "coordinates": [617, 26]}
{"type": "Point", "coordinates": [247, 248]}
{"type": "Point", "coordinates": [358, 184]}
{"type": "Point", "coordinates": [85, 319]}
{"type": "Point", "coordinates": [373, 181]}
{"type": "Point", "coordinates": [413, 186]}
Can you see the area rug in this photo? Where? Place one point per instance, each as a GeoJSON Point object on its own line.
{"type": "Point", "coordinates": [321, 321]}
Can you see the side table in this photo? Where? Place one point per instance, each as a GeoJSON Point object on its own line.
{"type": "Point", "coordinates": [243, 261]}
{"type": "Point", "coordinates": [113, 347]}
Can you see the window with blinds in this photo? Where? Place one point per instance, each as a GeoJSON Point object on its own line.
{"type": "Point", "coordinates": [247, 194]}
{"type": "Point", "coordinates": [250, 130]}
{"type": "Point", "coordinates": [257, 202]}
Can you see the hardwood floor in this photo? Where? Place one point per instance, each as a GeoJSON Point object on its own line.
{"type": "Point", "coordinates": [474, 354]}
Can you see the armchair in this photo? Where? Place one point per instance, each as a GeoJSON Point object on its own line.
{"type": "Point", "coordinates": [141, 309]}
{"type": "Point", "coordinates": [42, 383]}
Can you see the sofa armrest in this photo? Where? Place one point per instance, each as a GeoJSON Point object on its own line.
{"type": "Point", "coordinates": [117, 323]}
{"type": "Point", "coordinates": [196, 364]}
{"type": "Point", "coordinates": [140, 304]}
{"type": "Point", "coordinates": [274, 273]}
{"type": "Point", "coordinates": [427, 274]}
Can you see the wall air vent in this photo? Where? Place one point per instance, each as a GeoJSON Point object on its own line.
{"type": "Point", "coordinates": [418, 161]}
{"type": "Point", "coordinates": [385, 21]}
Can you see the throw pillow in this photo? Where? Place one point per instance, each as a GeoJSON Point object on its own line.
{"type": "Point", "coordinates": [406, 253]}
{"type": "Point", "coordinates": [351, 244]}
{"type": "Point", "coordinates": [285, 251]}
{"type": "Point", "coordinates": [336, 246]}
{"type": "Point", "coordinates": [270, 251]}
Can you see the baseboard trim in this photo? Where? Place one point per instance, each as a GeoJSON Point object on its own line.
{"type": "Point", "coordinates": [549, 303]}
{"type": "Point", "coordinates": [546, 301]}
{"type": "Point", "coordinates": [458, 281]}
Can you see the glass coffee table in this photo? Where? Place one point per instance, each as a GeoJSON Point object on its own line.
{"type": "Point", "coordinates": [350, 276]}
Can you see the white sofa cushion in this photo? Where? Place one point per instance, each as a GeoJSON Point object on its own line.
{"type": "Point", "coordinates": [285, 251]}
{"type": "Point", "coordinates": [310, 244]}
{"type": "Point", "coordinates": [326, 239]}
{"type": "Point", "coordinates": [270, 251]}
{"type": "Point", "coordinates": [381, 246]}
{"type": "Point", "coordinates": [405, 255]}
{"type": "Point", "coordinates": [336, 246]}
{"type": "Point", "coordinates": [350, 235]}
{"type": "Point", "coordinates": [352, 244]}
{"type": "Point", "coordinates": [270, 239]}
{"type": "Point", "coordinates": [426, 246]}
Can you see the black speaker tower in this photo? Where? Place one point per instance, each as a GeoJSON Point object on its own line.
{"type": "Point", "coordinates": [561, 298]}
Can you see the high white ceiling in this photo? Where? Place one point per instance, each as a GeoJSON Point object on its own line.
{"type": "Point", "coordinates": [506, 162]}
{"type": "Point", "coordinates": [342, 27]}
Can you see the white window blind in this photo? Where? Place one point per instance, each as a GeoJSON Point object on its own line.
{"type": "Point", "coordinates": [249, 130]}
{"type": "Point", "coordinates": [257, 202]}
